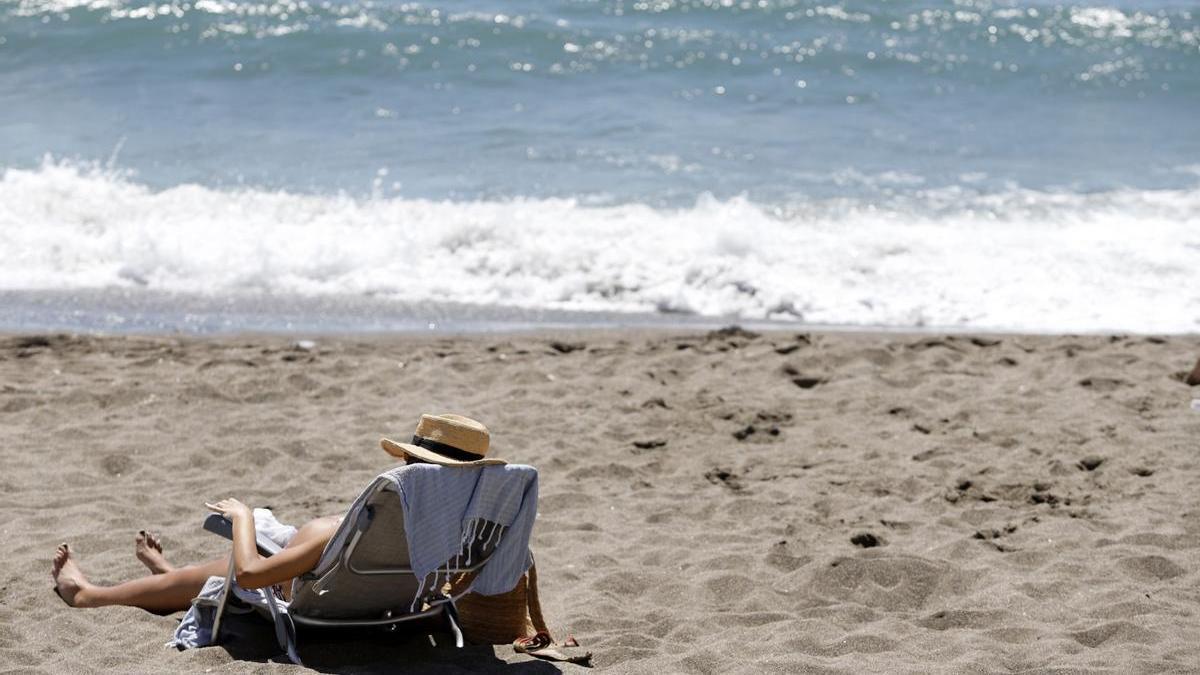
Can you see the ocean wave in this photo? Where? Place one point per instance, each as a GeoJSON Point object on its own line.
{"type": "Point", "coordinates": [1017, 259]}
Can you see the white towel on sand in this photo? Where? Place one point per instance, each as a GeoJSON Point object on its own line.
{"type": "Point", "coordinates": [195, 630]}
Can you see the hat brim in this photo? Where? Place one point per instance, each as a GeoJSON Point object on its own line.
{"type": "Point", "coordinates": [425, 454]}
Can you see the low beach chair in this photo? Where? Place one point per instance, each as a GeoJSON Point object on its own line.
{"type": "Point", "coordinates": [364, 577]}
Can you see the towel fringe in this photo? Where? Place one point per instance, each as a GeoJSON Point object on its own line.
{"type": "Point", "coordinates": [474, 530]}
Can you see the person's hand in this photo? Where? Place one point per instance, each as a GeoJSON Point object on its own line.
{"type": "Point", "coordinates": [231, 509]}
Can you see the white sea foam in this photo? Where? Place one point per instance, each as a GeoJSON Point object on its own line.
{"type": "Point", "coordinates": [1122, 260]}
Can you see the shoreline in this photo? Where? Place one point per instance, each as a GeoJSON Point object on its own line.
{"type": "Point", "coordinates": [154, 313]}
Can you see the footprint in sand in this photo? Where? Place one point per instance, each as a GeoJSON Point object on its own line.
{"type": "Point", "coordinates": [1151, 568]}
{"type": "Point", "coordinates": [894, 583]}
{"type": "Point", "coordinates": [1117, 631]}
{"type": "Point", "coordinates": [724, 477]}
{"type": "Point", "coordinates": [19, 404]}
{"type": "Point", "coordinates": [866, 540]}
{"type": "Point", "coordinates": [1103, 384]}
{"type": "Point", "coordinates": [117, 465]}
{"type": "Point", "coordinates": [780, 557]}
{"type": "Point", "coordinates": [800, 379]}
{"type": "Point", "coordinates": [965, 618]}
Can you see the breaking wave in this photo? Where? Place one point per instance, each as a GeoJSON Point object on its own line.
{"type": "Point", "coordinates": [1015, 259]}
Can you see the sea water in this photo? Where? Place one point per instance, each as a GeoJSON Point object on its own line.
{"type": "Point", "coordinates": [967, 164]}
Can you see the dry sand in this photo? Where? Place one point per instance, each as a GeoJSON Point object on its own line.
{"type": "Point", "coordinates": [710, 503]}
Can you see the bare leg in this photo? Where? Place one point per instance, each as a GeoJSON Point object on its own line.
{"type": "Point", "coordinates": [148, 550]}
{"type": "Point", "coordinates": [167, 592]}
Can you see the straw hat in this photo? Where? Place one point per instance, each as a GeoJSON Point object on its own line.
{"type": "Point", "coordinates": [449, 440]}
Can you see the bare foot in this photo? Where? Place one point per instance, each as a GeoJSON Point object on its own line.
{"type": "Point", "coordinates": [149, 551]}
{"type": "Point", "coordinates": [68, 578]}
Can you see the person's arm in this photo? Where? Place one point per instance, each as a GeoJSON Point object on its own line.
{"type": "Point", "coordinates": [250, 569]}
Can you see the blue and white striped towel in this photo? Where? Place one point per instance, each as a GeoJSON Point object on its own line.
{"type": "Point", "coordinates": [441, 503]}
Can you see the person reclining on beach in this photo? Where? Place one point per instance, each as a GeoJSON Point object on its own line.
{"type": "Point", "coordinates": [170, 589]}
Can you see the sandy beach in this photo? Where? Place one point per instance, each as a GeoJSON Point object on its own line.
{"type": "Point", "coordinates": [710, 502]}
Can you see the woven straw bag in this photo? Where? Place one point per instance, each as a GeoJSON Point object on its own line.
{"type": "Point", "coordinates": [501, 619]}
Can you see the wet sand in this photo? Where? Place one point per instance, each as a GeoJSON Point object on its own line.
{"type": "Point", "coordinates": [710, 502]}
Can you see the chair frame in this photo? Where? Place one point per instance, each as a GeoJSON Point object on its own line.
{"type": "Point", "coordinates": [285, 622]}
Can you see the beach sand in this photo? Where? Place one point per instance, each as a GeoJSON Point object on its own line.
{"type": "Point", "coordinates": [714, 502]}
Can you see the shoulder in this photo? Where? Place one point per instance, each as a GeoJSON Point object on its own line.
{"type": "Point", "coordinates": [316, 532]}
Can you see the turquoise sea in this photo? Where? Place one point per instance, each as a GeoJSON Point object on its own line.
{"type": "Point", "coordinates": [966, 164]}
